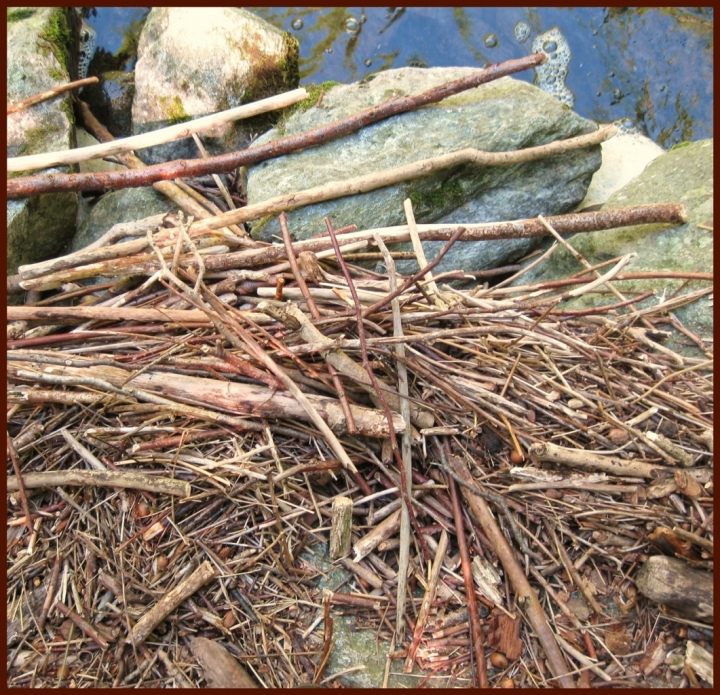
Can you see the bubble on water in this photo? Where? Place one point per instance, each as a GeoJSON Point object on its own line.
{"type": "Point", "coordinates": [352, 26]}
{"type": "Point", "coordinates": [328, 50]}
{"type": "Point", "coordinates": [297, 24]}
{"type": "Point", "coordinates": [626, 126]}
{"type": "Point", "coordinates": [522, 32]}
{"type": "Point", "coordinates": [490, 40]}
{"type": "Point", "coordinates": [551, 75]}
{"type": "Point", "coordinates": [368, 62]}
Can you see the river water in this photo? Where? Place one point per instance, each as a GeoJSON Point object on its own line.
{"type": "Point", "coordinates": [652, 66]}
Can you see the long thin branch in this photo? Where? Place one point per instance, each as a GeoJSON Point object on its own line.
{"type": "Point", "coordinates": [34, 185]}
{"type": "Point", "coordinates": [572, 223]}
{"type": "Point", "coordinates": [125, 479]}
{"type": "Point", "coordinates": [155, 137]}
{"type": "Point", "coordinates": [405, 172]}
{"type": "Point", "coordinates": [69, 314]}
{"type": "Point", "coordinates": [403, 390]}
{"type": "Point", "coordinates": [473, 614]}
{"type": "Point", "coordinates": [20, 485]}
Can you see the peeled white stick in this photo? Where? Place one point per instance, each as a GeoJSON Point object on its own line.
{"type": "Point", "coordinates": [155, 137]}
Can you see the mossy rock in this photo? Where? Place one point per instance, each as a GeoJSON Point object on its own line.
{"type": "Point", "coordinates": [503, 115]}
{"type": "Point", "coordinates": [681, 175]}
{"type": "Point", "coordinates": [39, 50]}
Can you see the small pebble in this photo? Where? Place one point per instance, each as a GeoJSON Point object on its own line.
{"type": "Point", "coordinates": [618, 437]}
{"type": "Point", "coordinates": [498, 660]}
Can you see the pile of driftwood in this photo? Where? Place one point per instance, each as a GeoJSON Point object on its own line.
{"type": "Point", "coordinates": [499, 476]}
{"type": "Point", "coordinates": [520, 494]}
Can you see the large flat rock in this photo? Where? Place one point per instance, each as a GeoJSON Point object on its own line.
{"type": "Point", "coordinates": [504, 115]}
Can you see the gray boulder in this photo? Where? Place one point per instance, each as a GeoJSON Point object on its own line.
{"type": "Point", "coordinates": [682, 175]}
{"type": "Point", "coordinates": [40, 43]}
{"type": "Point", "coordinates": [503, 115]}
{"type": "Point", "coordinates": [194, 61]}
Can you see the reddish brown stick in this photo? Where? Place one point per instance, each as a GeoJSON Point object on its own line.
{"type": "Point", "coordinates": [592, 310]}
{"type": "Point", "coordinates": [176, 440]}
{"type": "Point", "coordinates": [21, 487]}
{"type": "Point", "coordinates": [573, 223]}
{"type": "Point", "coordinates": [88, 629]}
{"type": "Point", "coordinates": [473, 614]}
{"type": "Point", "coordinates": [378, 390]}
{"type": "Point", "coordinates": [526, 597]}
{"type": "Point", "coordinates": [34, 185]}
{"type": "Point", "coordinates": [315, 313]}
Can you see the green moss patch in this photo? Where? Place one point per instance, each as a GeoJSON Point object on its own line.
{"type": "Point", "coordinates": [440, 198]}
{"type": "Point", "coordinates": [314, 91]}
{"type": "Point", "coordinates": [56, 38]}
{"type": "Point", "coordinates": [35, 140]}
{"type": "Point", "coordinates": [19, 14]}
{"type": "Point", "coordinates": [174, 110]}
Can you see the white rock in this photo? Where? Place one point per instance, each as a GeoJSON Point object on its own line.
{"type": "Point", "coordinates": [623, 158]}
{"type": "Point", "coordinates": [194, 61]}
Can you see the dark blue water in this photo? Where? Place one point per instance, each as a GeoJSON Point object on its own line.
{"type": "Point", "coordinates": [653, 66]}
